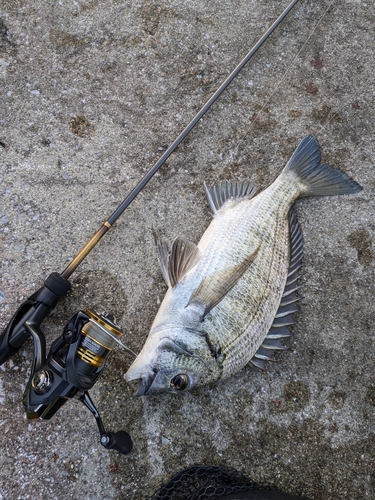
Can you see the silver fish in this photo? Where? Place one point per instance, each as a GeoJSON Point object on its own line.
{"type": "Point", "coordinates": [231, 298]}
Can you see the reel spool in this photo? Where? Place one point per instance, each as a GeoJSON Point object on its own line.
{"type": "Point", "coordinates": [99, 337]}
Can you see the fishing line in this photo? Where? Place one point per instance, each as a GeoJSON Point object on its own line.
{"type": "Point", "coordinates": [281, 81]}
{"type": "Point", "coordinates": [351, 96]}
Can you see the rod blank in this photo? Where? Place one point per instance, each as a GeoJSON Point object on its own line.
{"type": "Point", "coordinates": [120, 209]}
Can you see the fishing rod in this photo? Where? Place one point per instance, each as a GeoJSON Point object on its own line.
{"type": "Point", "coordinates": [77, 358]}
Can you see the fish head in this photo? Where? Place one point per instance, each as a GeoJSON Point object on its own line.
{"type": "Point", "coordinates": [169, 364]}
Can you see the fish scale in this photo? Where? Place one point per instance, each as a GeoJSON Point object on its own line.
{"type": "Point", "coordinates": [257, 310]}
{"type": "Point", "coordinates": [230, 299]}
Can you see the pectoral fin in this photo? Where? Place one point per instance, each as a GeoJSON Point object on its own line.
{"type": "Point", "coordinates": [163, 255]}
{"type": "Point", "coordinates": [176, 262]}
{"type": "Point", "coordinates": [215, 287]}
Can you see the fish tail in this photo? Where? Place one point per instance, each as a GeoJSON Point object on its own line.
{"type": "Point", "coordinates": [318, 179]}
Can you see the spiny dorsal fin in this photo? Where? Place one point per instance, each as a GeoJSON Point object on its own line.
{"type": "Point", "coordinates": [279, 333]}
{"type": "Point", "coordinates": [176, 262]}
{"type": "Point", "coordinates": [214, 288]}
{"type": "Point", "coordinates": [219, 194]}
{"type": "Point", "coordinates": [287, 307]}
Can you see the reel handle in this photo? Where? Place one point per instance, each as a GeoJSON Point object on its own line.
{"type": "Point", "coordinates": [120, 441]}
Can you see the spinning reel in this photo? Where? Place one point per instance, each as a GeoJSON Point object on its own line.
{"type": "Point", "coordinates": [77, 358]}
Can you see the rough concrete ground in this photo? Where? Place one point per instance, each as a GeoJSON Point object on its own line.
{"type": "Point", "coordinates": [91, 94]}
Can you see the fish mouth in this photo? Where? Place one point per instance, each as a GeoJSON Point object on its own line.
{"type": "Point", "coordinates": [145, 378]}
{"type": "Point", "coordinates": [144, 385]}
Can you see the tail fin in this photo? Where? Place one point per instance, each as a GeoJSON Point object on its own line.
{"type": "Point", "coordinates": [318, 178]}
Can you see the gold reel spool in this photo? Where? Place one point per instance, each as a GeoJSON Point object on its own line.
{"type": "Point", "coordinates": [99, 337]}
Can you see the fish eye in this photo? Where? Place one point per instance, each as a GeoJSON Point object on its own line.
{"type": "Point", "coordinates": [179, 382]}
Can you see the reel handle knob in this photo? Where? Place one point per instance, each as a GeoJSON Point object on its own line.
{"type": "Point", "coordinates": [120, 441]}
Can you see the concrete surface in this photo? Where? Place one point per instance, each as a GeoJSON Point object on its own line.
{"type": "Point", "coordinates": [91, 94]}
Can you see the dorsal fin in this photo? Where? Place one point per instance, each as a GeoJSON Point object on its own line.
{"type": "Point", "coordinates": [287, 307]}
{"type": "Point", "coordinates": [176, 262]}
{"type": "Point", "coordinates": [219, 194]}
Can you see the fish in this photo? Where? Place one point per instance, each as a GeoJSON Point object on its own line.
{"type": "Point", "coordinates": [231, 298]}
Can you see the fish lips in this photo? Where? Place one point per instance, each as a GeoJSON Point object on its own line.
{"type": "Point", "coordinates": [144, 385]}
